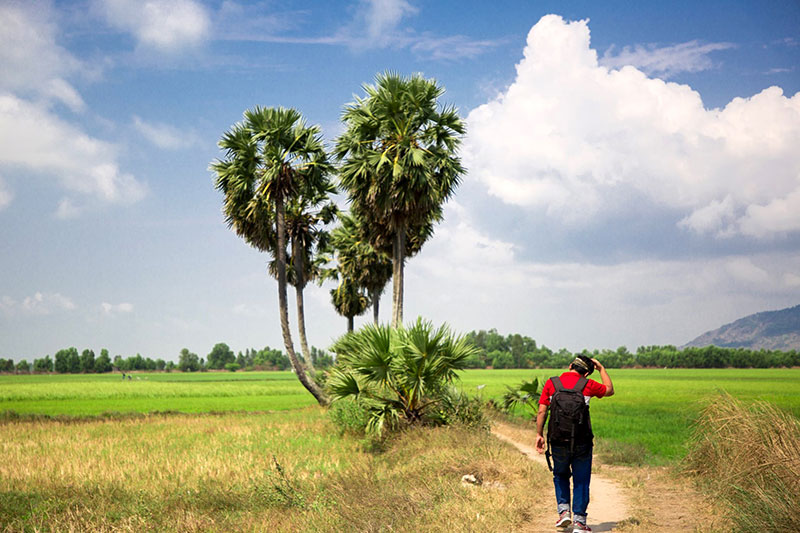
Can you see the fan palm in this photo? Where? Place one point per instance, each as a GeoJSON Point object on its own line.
{"type": "Point", "coordinates": [399, 162]}
{"type": "Point", "coordinates": [271, 158]}
{"type": "Point", "coordinates": [349, 300]}
{"type": "Point", "coordinates": [306, 216]}
{"type": "Point", "coordinates": [359, 261]}
{"type": "Point", "coordinates": [401, 374]}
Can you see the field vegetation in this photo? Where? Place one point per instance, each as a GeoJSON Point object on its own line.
{"type": "Point", "coordinates": [747, 458]}
{"type": "Point", "coordinates": [286, 471]}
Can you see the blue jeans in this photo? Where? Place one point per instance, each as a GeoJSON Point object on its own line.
{"type": "Point", "coordinates": [578, 466]}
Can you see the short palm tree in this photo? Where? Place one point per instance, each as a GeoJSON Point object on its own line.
{"type": "Point", "coordinates": [359, 261]}
{"type": "Point", "coordinates": [401, 374]}
{"type": "Point", "coordinates": [399, 162]}
{"type": "Point", "coordinates": [271, 157]}
{"type": "Point", "coordinates": [349, 300]}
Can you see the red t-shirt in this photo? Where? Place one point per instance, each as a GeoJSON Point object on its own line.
{"type": "Point", "coordinates": [569, 379]}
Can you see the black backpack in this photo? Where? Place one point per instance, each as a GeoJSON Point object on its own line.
{"type": "Point", "coordinates": [569, 416]}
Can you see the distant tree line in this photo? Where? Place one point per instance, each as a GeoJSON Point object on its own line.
{"type": "Point", "coordinates": [518, 351]}
{"type": "Point", "coordinates": [221, 357]}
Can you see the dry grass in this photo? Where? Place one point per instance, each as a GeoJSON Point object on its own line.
{"type": "Point", "coordinates": [748, 460]}
{"type": "Point", "coordinates": [286, 471]}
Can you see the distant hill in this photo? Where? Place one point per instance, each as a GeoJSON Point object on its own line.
{"type": "Point", "coordinates": [770, 330]}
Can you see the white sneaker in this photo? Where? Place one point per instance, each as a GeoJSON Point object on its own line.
{"type": "Point", "coordinates": [564, 520]}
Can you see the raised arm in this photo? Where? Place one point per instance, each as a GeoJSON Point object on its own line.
{"type": "Point", "coordinates": [605, 378]}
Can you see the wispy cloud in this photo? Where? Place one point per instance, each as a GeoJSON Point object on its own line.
{"type": "Point", "coordinates": [665, 61]}
{"type": "Point", "coordinates": [5, 195]}
{"type": "Point", "coordinates": [114, 309]}
{"type": "Point", "coordinates": [780, 70]}
{"type": "Point", "coordinates": [38, 304]}
{"type": "Point", "coordinates": [376, 24]}
{"type": "Point", "coordinates": [163, 135]}
{"type": "Point", "coordinates": [163, 25]}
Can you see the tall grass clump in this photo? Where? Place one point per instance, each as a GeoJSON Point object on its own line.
{"type": "Point", "coordinates": [748, 459]}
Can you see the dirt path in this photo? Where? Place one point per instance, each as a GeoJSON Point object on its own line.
{"type": "Point", "coordinates": [608, 505]}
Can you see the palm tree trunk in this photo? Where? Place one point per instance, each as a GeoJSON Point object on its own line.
{"type": "Point", "coordinates": [310, 386]}
{"type": "Point", "coordinates": [299, 271]}
{"type": "Point", "coordinates": [376, 301]}
{"type": "Point", "coordinates": [398, 261]}
{"type": "Point", "coordinates": [350, 324]}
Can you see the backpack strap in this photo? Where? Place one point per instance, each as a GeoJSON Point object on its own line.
{"type": "Point", "coordinates": [557, 383]}
{"type": "Point", "coordinates": [580, 384]}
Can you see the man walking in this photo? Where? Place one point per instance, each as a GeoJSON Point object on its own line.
{"type": "Point", "coordinates": [569, 436]}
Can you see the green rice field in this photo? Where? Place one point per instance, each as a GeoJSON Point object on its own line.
{"type": "Point", "coordinates": [650, 415]}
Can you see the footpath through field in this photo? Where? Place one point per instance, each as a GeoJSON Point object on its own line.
{"type": "Point", "coordinates": [608, 505]}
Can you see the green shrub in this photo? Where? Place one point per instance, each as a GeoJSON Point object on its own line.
{"type": "Point", "coordinates": [457, 407]}
{"type": "Point", "coordinates": [349, 416]}
{"type": "Point", "coordinates": [400, 375]}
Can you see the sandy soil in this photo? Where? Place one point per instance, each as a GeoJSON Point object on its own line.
{"type": "Point", "coordinates": [623, 499]}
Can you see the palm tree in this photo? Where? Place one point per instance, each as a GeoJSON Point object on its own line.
{"type": "Point", "coordinates": [399, 162]}
{"type": "Point", "coordinates": [359, 261]}
{"type": "Point", "coordinates": [401, 374]}
{"type": "Point", "coordinates": [271, 157]}
{"type": "Point", "coordinates": [306, 216]}
{"type": "Point", "coordinates": [349, 300]}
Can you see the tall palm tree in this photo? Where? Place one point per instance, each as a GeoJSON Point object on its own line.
{"type": "Point", "coordinates": [399, 161]}
{"type": "Point", "coordinates": [306, 216]}
{"type": "Point", "coordinates": [271, 157]}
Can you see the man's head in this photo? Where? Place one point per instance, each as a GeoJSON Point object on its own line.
{"type": "Point", "coordinates": [582, 365]}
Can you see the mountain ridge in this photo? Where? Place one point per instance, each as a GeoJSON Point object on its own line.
{"type": "Point", "coordinates": [768, 330]}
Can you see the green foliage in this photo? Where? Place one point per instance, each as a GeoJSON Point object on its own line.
{"type": "Point", "coordinates": [232, 367]}
{"type": "Point", "coordinates": [23, 367]}
{"type": "Point", "coordinates": [43, 365]}
{"type": "Point", "coordinates": [6, 365]}
{"type": "Point", "coordinates": [517, 351]}
{"type": "Point", "coordinates": [349, 415]}
{"type": "Point", "coordinates": [188, 361]}
{"type": "Point", "coordinates": [87, 361]}
{"type": "Point", "coordinates": [526, 394]}
{"type": "Point", "coordinates": [220, 356]}
{"type": "Point", "coordinates": [457, 407]}
{"type": "Point", "coordinates": [400, 375]}
{"type": "Point", "coordinates": [320, 358]}
{"type": "Point", "coordinates": [67, 361]}
{"type": "Point", "coordinates": [103, 363]}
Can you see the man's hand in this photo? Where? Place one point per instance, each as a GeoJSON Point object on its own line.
{"type": "Point", "coordinates": [605, 377]}
{"type": "Point", "coordinates": [540, 443]}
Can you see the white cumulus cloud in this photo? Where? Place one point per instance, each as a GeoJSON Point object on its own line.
{"type": "Point", "coordinates": [165, 25]}
{"type": "Point", "coordinates": [32, 137]}
{"type": "Point", "coordinates": [576, 140]}
{"type": "Point", "coordinates": [31, 60]}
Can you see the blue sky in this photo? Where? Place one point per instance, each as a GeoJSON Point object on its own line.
{"type": "Point", "coordinates": [634, 176]}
